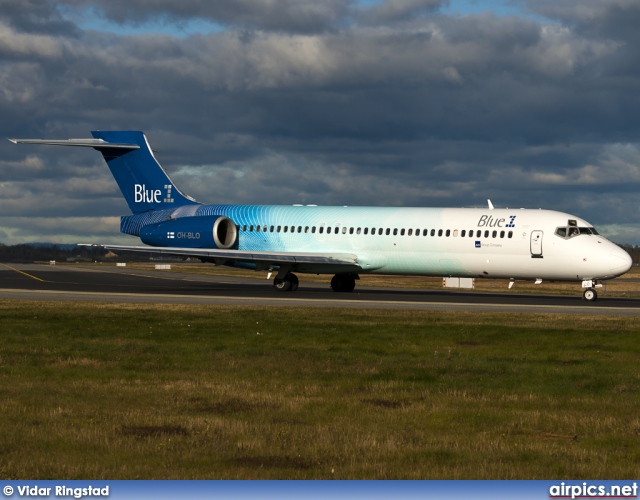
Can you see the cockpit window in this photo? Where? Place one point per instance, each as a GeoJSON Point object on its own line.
{"type": "Point", "coordinates": [573, 230]}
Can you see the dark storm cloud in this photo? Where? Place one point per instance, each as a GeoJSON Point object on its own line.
{"type": "Point", "coordinates": [337, 102]}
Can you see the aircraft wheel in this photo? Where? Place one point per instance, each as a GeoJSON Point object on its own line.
{"type": "Point", "coordinates": [343, 283]}
{"type": "Point", "coordinates": [288, 284]}
{"type": "Point", "coordinates": [294, 281]}
{"type": "Point", "coordinates": [590, 294]}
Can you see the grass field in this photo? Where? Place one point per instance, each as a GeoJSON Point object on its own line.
{"type": "Point", "coordinates": [118, 391]}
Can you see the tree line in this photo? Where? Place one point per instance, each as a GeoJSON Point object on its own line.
{"type": "Point", "coordinates": [30, 252]}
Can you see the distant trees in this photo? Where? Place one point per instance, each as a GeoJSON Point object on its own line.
{"type": "Point", "coordinates": [34, 252]}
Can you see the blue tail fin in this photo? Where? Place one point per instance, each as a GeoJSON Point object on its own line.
{"type": "Point", "coordinates": [143, 182]}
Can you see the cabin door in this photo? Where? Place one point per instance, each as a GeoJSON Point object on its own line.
{"type": "Point", "coordinates": [536, 244]}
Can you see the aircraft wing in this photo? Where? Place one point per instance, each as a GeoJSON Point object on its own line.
{"type": "Point", "coordinates": [256, 257]}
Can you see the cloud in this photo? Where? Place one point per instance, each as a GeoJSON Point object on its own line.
{"type": "Point", "coordinates": [301, 16]}
{"type": "Point", "coordinates": [391, 103]}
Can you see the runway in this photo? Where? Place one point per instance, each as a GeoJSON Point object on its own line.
{"type": "Point", "coordinates": [113, 284]}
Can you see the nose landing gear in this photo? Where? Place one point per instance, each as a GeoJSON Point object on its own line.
{"type": "Point", "coordinates": [590, 293]}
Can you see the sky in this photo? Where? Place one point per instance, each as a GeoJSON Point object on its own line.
{"type": "Point", "coordinates": [434, 103]}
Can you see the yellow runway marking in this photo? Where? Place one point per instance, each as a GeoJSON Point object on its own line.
{"type": "Point", "coordinates": [22, 272]}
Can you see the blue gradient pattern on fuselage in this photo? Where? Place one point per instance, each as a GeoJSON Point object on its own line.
{"type": "Point", "coordinates": [395, 253]}
{"type": "Point", "coordinates": [302, 219]}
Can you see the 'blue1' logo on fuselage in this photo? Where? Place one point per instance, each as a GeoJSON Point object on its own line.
{"type": "Point", "coordinates": [491, 221]}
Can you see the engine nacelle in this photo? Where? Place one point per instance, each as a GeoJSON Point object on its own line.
{"type": "Point", "coordinates": [210, 231]}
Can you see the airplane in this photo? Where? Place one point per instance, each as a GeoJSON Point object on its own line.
{"type": "Point", "coordinates": [521, 244]}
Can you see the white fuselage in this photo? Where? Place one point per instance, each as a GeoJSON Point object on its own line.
{"type": "Point", "coordinates": [465, 242]}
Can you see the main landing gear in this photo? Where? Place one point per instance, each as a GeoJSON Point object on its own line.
{"type": "Point", "coordinates": [287, 284]}
{"type": "Point", "coordinates": [344, 282]}
{"type": "Point", "coordinates": [339, 283]}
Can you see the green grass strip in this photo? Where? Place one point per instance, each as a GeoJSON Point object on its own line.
{"type": "Point", "coordinates": [116, 391]}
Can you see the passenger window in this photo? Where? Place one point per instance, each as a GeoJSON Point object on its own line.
{"type": "Point", "coordinates": [439, 232]}
{"type": "Point", "coordinates": [358, 231]}
{"type": "Point", "coordinates": [271, 229]}
{"type": "Point", "coordinates": [366, 230]}
{"type": "Point", "coordinates": [410, 232]}
{"type": "Point", "coordinates": [244, 228]}
{"type": "Point", "coordinates": [486, 234]}
{"type": "Point", "coordinates": [494, 234]}
{"type": "Point", "coordinates": [321, 230]}
{"type": "Point", "coordinates": [350, 230]}
{"type": "Point", "coordinates": [463, 233]}
{"type": "Point", "coordinates": [299, 229]}
{"type": "Point", "coordinates": [417, 232]}
{"type": "Point", "coordinates": [306, 229]}
{"type": "Point", "coordinates": [279, 229]}
{"type": "Point", "coordinates": [455, 233]}
{"type": "Point", "coordinates": [257, 229]}
{"type": "Point", "coordinates": [313, 230]}
{"type": "Point", "coordinates": [286, 228]}
{"type": "Point", "coordinates": [293, 229]}
{"type": "Point", "coordinates": [471, 234]}
{"type": "Point", "coordinates": [448, 233]}
{"type": "Point", "coordinates": [344, 230]}
{"type": "Point", "coordinates": [395, 232]}
{"type": "Point", "coordinates": [373, 230]}
{"type": "Point", "coordinates": [433, 232]}
{"type": "Point", "coordinates": [510, 234]}
{"type": "Point", "coordinates": [401, 232]}
{"type": "Point", "coordinates": [251, 229]}
{"type": "Point", "coordinates": [501, 234]}
{"type": "Point", "coordinates": [387, 231]}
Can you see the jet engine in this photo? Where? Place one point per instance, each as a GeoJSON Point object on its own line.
{"type": "Point", "coordinates": [210, 231]}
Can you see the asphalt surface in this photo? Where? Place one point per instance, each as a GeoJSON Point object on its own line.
{"type": "Point", "coordinates": [113, 284]}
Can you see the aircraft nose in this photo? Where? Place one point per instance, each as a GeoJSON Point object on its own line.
{"type": "Point", "coordinates": [619, 261]}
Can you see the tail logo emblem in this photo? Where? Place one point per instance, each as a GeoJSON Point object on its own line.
{"type": "Point", "coordinates": [168, 198]}
{"type": "Point", "coordinates": [143, 195]}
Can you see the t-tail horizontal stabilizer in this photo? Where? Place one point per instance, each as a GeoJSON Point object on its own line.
{"type": "Point", "coordinates": [86, 143]}
{"type": "Point", "coordinates": [144, 183]}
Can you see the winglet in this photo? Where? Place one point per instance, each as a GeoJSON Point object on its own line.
{"type": "Point", "coordinates": [490, 204]}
